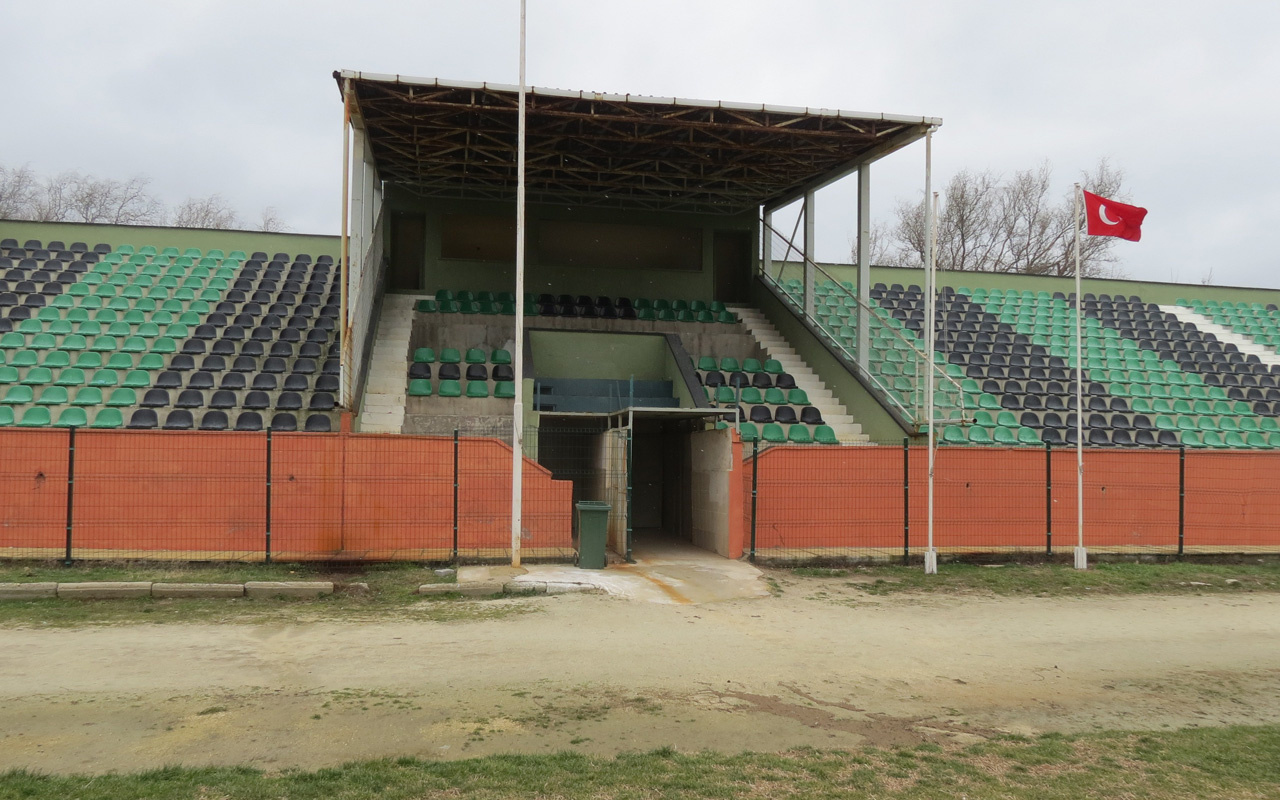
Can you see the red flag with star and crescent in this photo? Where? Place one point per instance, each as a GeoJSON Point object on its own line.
{"type": "Point", "coordinates": [1111, 218]}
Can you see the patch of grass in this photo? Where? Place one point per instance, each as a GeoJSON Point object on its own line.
{"type": "Point", "coordinates": [1195, 763]}
{"type": "Point", "coordinates": [392, 594]}
{"type": "Point", "coordinates": [819, 572]}
{"type": "Point", "coordinates": [1061, 580]}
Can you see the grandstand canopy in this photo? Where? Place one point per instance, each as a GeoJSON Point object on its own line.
{"type": "Point", "coordinates": [458, 140]}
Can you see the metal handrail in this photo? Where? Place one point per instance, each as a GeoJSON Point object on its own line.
{"type": "Point", "coordinates": [915, 414]}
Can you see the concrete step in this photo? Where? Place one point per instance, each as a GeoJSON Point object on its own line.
{"type": "Point", "coordinates": [383, 405]}
{"type": "Point", "coordinates": [1267, 355]}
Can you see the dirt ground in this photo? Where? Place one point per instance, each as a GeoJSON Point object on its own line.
{"type": "Point", "coordinates": [819, 663]}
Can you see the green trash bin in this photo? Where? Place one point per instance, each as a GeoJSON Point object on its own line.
{"type": "Point", "coordinates": [593, 532]}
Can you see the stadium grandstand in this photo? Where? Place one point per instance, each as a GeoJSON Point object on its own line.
{"type": "Point", "coordinates": [684, 356]}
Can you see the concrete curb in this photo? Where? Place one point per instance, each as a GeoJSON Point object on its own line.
{"type": "Point", "coordinates": [110, 590]}
{"type": "Point", "coordinates": [550, 587]}
{"type": "Point", "coordinates": [104, 590]}
{"type": "Point", "coordinates": [27, 591]}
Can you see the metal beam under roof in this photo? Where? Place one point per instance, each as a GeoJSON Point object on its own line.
{"type": "Point", "coordinates": [453, 139]}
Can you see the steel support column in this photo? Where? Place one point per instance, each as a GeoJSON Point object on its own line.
{"type": "Point", "coordinates": [864, 261]}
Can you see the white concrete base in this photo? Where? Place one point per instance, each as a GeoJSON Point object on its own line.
{"type": "Point", "coordinates": [1081, 558]}
{"type": "Point", "coordinates": [384, 396]}
{"type": "Point", "coordinates": [931, 562]}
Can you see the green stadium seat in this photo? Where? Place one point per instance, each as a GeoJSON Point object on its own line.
{"type": "Point", "coordinates": [707, 364]}
{"type": "Point", "coordinates": [799, 434]}
{"type": "Point", "coordinates": [419, 387]}
{"type": "Point", "coordinates": [775, 397]}
{"type": "Point", "coordinates": [449, 307]}
{"type": "Point", "coordinates": [773, 367]}
{"type": "Point", "coordinates": [1028, 436]}
{"type": "Point", "coordinates": [702, 316]}
{"type": "Point", "coordinates": [8, 375]}
{"type": "Point", "coordinates": [979, 435]}
{"type": "Point", "coordinates": [424, 355]}
{"type": "Point", "coordinates": [666, 315]}
{"type": "Point", "coordinates": [450, 355]}
{"type": "Point", "coordinates": [426, 306]}
{"type": "Point", "coordinates": [1003, 435]}
{"type": "Point", "coordinates": [1214, 439]}
{"type": "Point", "coordinates": [477, 388]}
{"type": "Point", "coordinates": [450, 389]}
{"type": "Point", "coordinates": [1256, 440]}
{"type": "Point", "coordinates": [500, 357]}
{"type": "Point", "coordinates": [773, 434]}
{"type": "Point", "coordinates": [18, 396]}
{"type": "Point", "coordinates": [105, 377]}
{"type": "Point", "coordinates": [88, 396]}
{"type": "Point", "coordinates": [954, 434]}
{"type": "Point", "coordinates": [646, 314]}
{"type": "Point", "coordinates": [505, 390]}
{"type": "Point", "coordinates": [6, 416]}
{"type": "Point", "coordinates": [72, 418]}
{"type": "Point", "coordinates": [797, 397]}
{"type": "Point", "coordinates": [24, 358]}
{"type": "Point", "coordinates": [53, 396]}
{"type": "Point", "coordinates": [56, 359]}
{"type": "Point", "coordinates": [123, 397]}
{"type": "Point", "coordinates": [725, 395]}
{"type": "Point", "coordinates": [1234, 440]}
{"type": "Point", "coordinates": [38, 376]}
{"type": "Point", "coordinates": [751, 365]}
{"type": "Point", "coordinates": [748, 432]}
{"type": "Point", "coordinates": [823, 434]}
{"type": "Point", "coordinates": [35, 417]}
{"type": "Point", "coordinates": [752, 396]}
{"type": "Point", "coordinates": [137, 379]}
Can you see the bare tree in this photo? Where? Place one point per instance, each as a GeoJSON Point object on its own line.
{"type": "Point", "coordinates": [880, 247]}
{"type": "Point", "coordinates": [988, 224]}
{"type": "Point", "coordinates": [271, 221]}
{"type": "Point", "coordinates": [17, 192]}
{"type": "Point", "coordinates": [205, 212]}
{"type": "Point", "coordinates": [90, 199]}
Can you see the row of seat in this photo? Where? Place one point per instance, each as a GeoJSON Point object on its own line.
{"type": "Point", "coordinates": [774, 433]}
{"type": "Point", "coordinates": [453, 372]}
{"type": "Point", "coordinates": [148, 419]}
{"type": "Point", "coordinates": [421, 387]}
{"type": "Point", "coordinates": [454, 355]}
{"type": "Point", "coordinates": [751, 395]}
{"type": "Point", "coordinates": [738, 380]}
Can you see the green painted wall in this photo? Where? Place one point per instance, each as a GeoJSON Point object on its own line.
{"type": "Point", "coordinates": [876, 422]}
{"type": "Point", "coordinates": [442, 273]}
{"type": "Point", "coordinates": [157, 236]}
{"type": "Point", "coordinates": [604, 356]}
{"type": "Point", "coordinates": [1149, 291]}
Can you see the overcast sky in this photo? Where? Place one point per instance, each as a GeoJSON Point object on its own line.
{"type": "Point", "coordinates": [236, 97]}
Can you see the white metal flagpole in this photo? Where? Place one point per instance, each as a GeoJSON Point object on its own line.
{"type": "Point", "coordinates": [930, 290]}
{"type": "Point", "coordinates": [517, 415]}
{"type": "Point", "coordinates": [1081, 556]}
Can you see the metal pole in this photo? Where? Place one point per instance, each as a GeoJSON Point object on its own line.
{"type": "Point", "coordinates": [345, 379]}
{"type": "Point", "coordinates": [71, 484]}
{"type": "Point", "coordinates": [766, 241]}
{"type": "Point", "coordinates": [906, 500]}
{"type": "Point", "coordinates": [268, 541]}
{"type": "Point", "coordinates": [1182, 498]}
{"type": "Point", "coordinates": [629, 559]}
{"type": "Point", "coordinates": [1048, 499]}
{"type": "Point", "coordinates": [517, 416]}
{"type": "Point", "coordinates": [864, 261]}
{"type": "Point", "coordinates": [455, 495]}
{"type": "Point", "coordinates": [931, 555]}
{"type": "Point", "coordinates": [1081, 558]}
{"type": "Point", "coordinates": [809, 251]}
{"type": "Point", "coordinates": [755, 471]}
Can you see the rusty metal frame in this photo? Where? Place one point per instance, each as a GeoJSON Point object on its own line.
{"type": "Point", "coordinates": [664, 154]}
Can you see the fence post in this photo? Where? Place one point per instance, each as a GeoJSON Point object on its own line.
{"type": "Point", "coordinates": [1182, 497]}
{"type": "Point", "coordinates": [755, 471]}
{"type": "Point", "coordinates": [71, 491]}
{"type": "Point", "coordinates": [268, 559]}
{"type": "Point", "coordinates": [455, 496]}
{"type": "Point", "coordinates": [906, 500]}
{"type": "Point", "coordinates": [630, 454]}
{"type": "Point", "coordinates": [1048, 499]}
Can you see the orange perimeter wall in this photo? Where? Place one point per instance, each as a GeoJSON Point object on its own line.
{"type": "Point", "coordinates": [331, 494]}
{"type": "Point", "coordinates": [851, 497]}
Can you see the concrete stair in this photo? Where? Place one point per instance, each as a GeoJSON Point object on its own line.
{"type": "Point", "coordinates": [1267, 355]}
{"type": "Point", "coordinates": [384, 392]}
{"type": "Point", "coordinates": [847, 431]}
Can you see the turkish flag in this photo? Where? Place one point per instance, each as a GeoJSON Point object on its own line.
{"type": "Point", "coordinates": [1110, 218]}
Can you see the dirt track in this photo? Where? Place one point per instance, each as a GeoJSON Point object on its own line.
{"type": "Point", "coordinates": [605, 675]}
